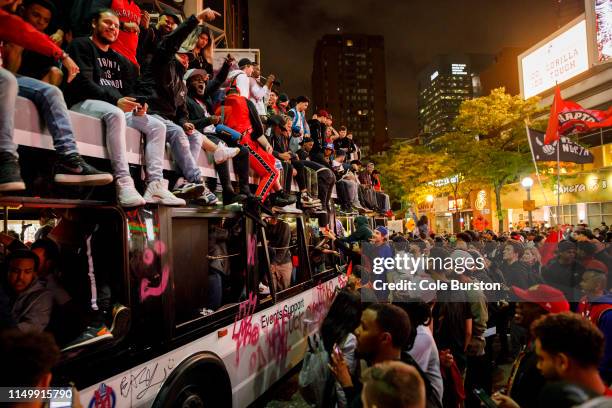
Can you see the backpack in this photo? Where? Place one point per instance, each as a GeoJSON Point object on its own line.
{"type": "Point", "coordinates": [430, 400]}
{"type": "Point", "coordinates": [315, 377]}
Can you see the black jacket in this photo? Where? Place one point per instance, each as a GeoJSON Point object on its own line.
{"type": "Point", "coordinates": [195, 110]}
{"type": "Point", "coordinates": [95, 81]}
{"type": "Point", "coordinates": [162, 80]}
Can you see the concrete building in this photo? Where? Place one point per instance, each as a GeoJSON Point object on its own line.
{"type": "Point", "coordinates": [349, 81]}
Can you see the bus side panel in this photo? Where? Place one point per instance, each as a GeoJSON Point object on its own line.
{"type": "Point", "coordinates": [257, 350]}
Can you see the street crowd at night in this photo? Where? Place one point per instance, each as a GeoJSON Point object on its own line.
{"type": "Point", "coordinates": [181, 230]}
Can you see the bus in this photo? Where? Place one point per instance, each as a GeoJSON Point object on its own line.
{"type": "Point", "coordinates": [219, 307]}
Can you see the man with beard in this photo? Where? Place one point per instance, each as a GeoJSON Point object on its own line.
{"type": "Point", "coordinates": [568, 348]}
{"type": "Point", "coordinates": [200, 91]}
{"type": "Point", "coordinates": [150, 37]}
{"type": "Point", "coordinates": [382, 335]}
{"type": "Point", "coordinates": [166, 93]}
{"type": "Point", "coordinates": [525, 380]}
{"type": "Point", "coordinates": [102, 91]}
{"type": "Point", "coordinates": [30, 302]}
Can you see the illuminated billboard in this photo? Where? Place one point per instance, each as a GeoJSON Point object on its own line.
{"type": "Point", "coordinates": [554, 60]}
{"type": "Point", "coordinates": [599, 17]}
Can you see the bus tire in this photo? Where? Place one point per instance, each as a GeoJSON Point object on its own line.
{"type": "Point", "coordinates": [199, 381]}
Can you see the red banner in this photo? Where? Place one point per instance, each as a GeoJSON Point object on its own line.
{"type": "Point", "coordinates": [567, 117]}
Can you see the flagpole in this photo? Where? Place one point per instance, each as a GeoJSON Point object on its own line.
{"type": "Point", "coordinates": [535, 164]}
{"type": "Point", "coordinates": [558, 183]}
{"type": "Point", "coordinates": [603, 148]}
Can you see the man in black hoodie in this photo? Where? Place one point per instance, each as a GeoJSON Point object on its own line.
{"type": "Point", "coordinates": [200, 91]}
{"type": "Point", "coordinates": [166, 93]}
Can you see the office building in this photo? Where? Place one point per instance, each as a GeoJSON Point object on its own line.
{"type": "Point", "coordinates": [349, 81]}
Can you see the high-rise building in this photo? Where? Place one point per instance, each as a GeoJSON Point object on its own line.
{"type": "Point", "coordinates": [442, 86]}
{"type": "Point", "coordinates": [349, 81]}
{"type": "Point", "coordinates": [502, 72]}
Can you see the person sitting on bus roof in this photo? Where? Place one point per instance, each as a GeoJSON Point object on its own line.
{"type": "Point", "coordinates": [280, 138]}
{"type": "Point", "coordinates": [347, 185]}
{"type": "Point", "coordinates": [101, 90]}
{"type": "Point", "coordinates": [70, 168]}
{"type": "Point", "coordinates": [199, 104]}
{"type": "Point", "coordinates": [31, 303]}
{"type": "Point", "coordinates": [163, 84]}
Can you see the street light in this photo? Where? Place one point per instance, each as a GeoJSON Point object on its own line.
{"type": "Point", "coordinates": [527, 182]}
{"type": "Point", "coordinates": [429, 198]}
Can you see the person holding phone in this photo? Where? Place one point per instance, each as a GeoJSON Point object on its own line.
{"type": "Point", "coordinates": [104, 90]}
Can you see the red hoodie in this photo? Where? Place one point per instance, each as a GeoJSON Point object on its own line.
{"type": "Point", "coordinates": [14, 30]}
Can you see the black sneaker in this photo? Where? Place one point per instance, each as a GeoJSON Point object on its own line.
{"type": "Point", "coordinates": [72, 169]}
{"type": "Point", "coordinates": [121, 321]}
{"type": "Point", "coordinates": [189, 191]}
{"type": "Point", "coordinates": [91, 335]}
{"type": "Point", "coordinates": [10, 176]}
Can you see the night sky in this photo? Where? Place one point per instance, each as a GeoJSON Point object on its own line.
{"type": "Point", "coordinates": [414, 31]}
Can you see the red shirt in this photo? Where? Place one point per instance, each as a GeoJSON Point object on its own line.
{"type": "Point", "coordinates": [14, 30]}
{"type": "Point", "coordinates": [126, 44]}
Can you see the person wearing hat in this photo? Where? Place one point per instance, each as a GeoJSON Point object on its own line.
{"type": "Point", "coordinates": [166, 94]}
{"type": "Point", "coordinates": [150, 37]}
{"type": "Point", "coordinates": [525, 380]}
{"type": "Point", "coordinates": [568, 348]}
{"type": "Point", "coordinates": [240, 78]}
{"type": "Point", "coordinates": [328, 153]}
{"type": "Point", "coordinates": [104, 90]}
{"type": "Point", "coordinates": [283, 103]}
{"type": "Point", "coordinates": [200, 91]}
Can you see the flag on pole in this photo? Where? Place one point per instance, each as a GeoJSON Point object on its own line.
{"type": "Point", "coordinates": [568, 117]}
{"type": "Point", "coordinates": [569, 151]}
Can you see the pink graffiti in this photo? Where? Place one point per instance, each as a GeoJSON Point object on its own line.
{"type": "Point", "coordinates": [148, 256]}
{"type": "Point", "coordinates": [276, 339]}
{"type": "Point", "coordinates": [251, 250]}
{"type": "Point", "coordinates": [146, 291]}
{"type": "Point", "coordinates": [244, 331]}
{"type": "Point", "coordinates": [342, 281]}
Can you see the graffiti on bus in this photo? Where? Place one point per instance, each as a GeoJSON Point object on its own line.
{"type": "Point", "coordinates": [148, 257]}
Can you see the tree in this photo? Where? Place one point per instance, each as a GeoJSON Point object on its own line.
{"type": "Point", "coordinates": [490, 145]}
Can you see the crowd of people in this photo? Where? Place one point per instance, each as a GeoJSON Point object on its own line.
{"type": "Point", "coordinates": [544, 340]}
{"type": "Point", "coordinates": [107, 60]}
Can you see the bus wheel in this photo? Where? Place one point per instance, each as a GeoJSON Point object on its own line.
{"type": "Point", "coordinates": [199, 381]}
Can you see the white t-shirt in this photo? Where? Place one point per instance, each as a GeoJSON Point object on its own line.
{"type": "Point", "coordinates": [425, 353]}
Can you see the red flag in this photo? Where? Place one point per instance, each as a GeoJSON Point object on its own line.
{"type": "Point", "coordinates": [552, 130]}
{"type": "Point", "coordinates": [568, 117]}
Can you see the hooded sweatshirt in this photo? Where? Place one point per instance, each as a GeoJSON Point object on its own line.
{"type": "Point", "coordinates": [31, 309]}
{"type": "Point", "coordinates": [362, 231]}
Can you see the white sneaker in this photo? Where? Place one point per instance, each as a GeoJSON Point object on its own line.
{"type": "Point", "coordinates": [263, 289]}
{"type": "Point", "coordinates": [223, 152]}
{"type": "Point", "coordinates": [207, 198]}
{"type": "Point", "coordinates": [157, 192]}
{"type": "Point", "coordinates": [127, 195]}
{"type": "Point", "coordinates": [288, 209]}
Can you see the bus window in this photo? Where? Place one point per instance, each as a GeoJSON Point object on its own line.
{"type": "Point", "coordinates": [283, 237]}
{"type": "Point", "coordinates": [208, 272]}
{"type": "Point", "coordinates": [322, 257]}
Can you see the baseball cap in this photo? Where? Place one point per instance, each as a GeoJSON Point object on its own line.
{"type": "Point", "coordinates": [283, 97]}
{"type": "Point", "coordinates": [244, 62]}
{"type": "Point", "coordinates": [383, 230]}
{"type": "Point", "coordinates": [323, 112]}
{"type": "Point", "coordinates": [306, 140]}
{"type": "Point", "coordinates": [329, 146]}
{"type": "Point", "coordinates": [193, 72]}
{"type": "Point", "coordinates": [183, 50]}
{"type": "Point", "coordinates": [547, 297]}
{"type": "Point", "coordinates": [176, 18]}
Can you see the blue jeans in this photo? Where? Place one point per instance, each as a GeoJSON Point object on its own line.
{"type": "Point", "coordinates": [185, 149]}
{"type": "Point", "coordinates": [8, 97]}
{"type": "Point", "coordinates": [50, 103]}
{"type": "Point", "coordinates": [116, 122]}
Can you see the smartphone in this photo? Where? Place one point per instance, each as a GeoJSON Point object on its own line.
{"type": "Point", "coordinates": [484, 398]}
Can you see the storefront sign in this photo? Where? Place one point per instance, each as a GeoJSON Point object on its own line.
{"type": "Point", "coordinates": [481, 200]}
